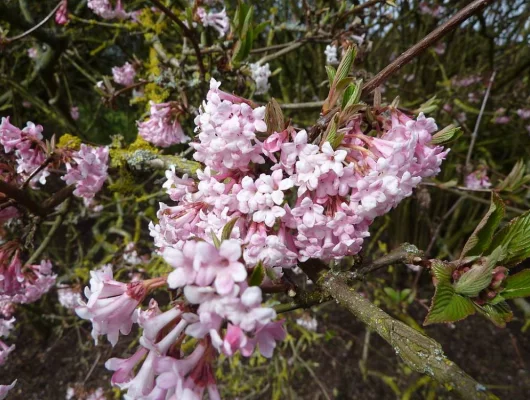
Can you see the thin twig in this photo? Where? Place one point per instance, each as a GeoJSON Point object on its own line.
{"type": "Point", "coordinates": [29, 31]}
{"type": "Point", "coordinates": [279, 53]}
{"type": "Point", "coordinates": [56, 224]}
{"type": "Point", "coordinates": [451, 24]}
{"type": "Point", "coordinates": [187, 32]}
{"type": "Point", "coordinates": [406, 253]}
{"type": "Point", "coordinates": [477, 124]}
{"type": "Point", "coordinates": [301, 106]}
{"type": "Point", "coordinates": [440, 224]}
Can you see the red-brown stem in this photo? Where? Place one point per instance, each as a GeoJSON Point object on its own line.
{"type": "Point", "coordinates": [187, 32]}
{"type": "Point", "coordinates": [451, 24]}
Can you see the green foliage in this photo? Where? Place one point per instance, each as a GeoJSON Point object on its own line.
{"type": "Point", "coordinates": [515, 239]}
{"type": "Point", "coordinates": [517, 285]}
{"type": "Point", "coordinates": [448, 306]}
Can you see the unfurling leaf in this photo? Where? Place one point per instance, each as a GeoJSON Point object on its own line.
{"type": "Point", "coordinates": [515, 239]}
{"type": "Point", "coordinates": [517, 285]}
{"type": "Point", "coordinates": [331, 74]}
{"type": "Point", "coordinates": [481, 238]}
{"type": "Point", "coordinates": [448, 306]}
{"type": "Point", "coordinates": [515, 178]}
{"type": "Point", "coordinates": [479, 277]}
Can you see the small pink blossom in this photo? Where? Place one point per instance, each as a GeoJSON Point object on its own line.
{"type": "Point", "coordinates": [33, 53]}
{"type": "Point", "coordinates": [124, 75]}
{"type": "Point", "coordinates": [4, 389]}
{"type": "Point", "coordinates": [219, 21]}
{"type": "Point", "coordinates": [104, 9]}
{"type": "Point", "coordinates": [523, 113]}
{"type": "Point", "coordinates": [478, 179]}
{"type": "Point", "coordinates": [61, 16]}
{"type": "Point", "coordinates": [74, 113]}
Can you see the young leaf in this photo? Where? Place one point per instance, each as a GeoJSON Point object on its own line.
{"type": "Point", "coordinates": [446, 135]}
{"type": "Point", "coordinates": [331, 74]}
{"type": "Point", "coordinates": [447, 306]}
{"type": "Point", "coordinates": [514, 179]}
{"type": "Point", "coordinates": [499, 313]}
{"type": "Point", "coordinates": [227, 229]}
{"type": "Point", "coordinates": [215, 239]}
{"type": "Point", "coordinates": [257, 275]}
{"type": "Point", "coordinates": [274, 117]}
{"type": "Point", "coordinates": [442, 272]}
{"type": "Point", "coordinates": [481, 238]}
{"type": "Point", "coordinates": [515, 238]}
{"type": "Point", "coordinates": [345, 65]}
{"type": "Point", "coordinates": [479, 276]}
{"type": "Point", "coordinates": [334, 138]}
{"type": "Point", "coordinates": [517, 285]}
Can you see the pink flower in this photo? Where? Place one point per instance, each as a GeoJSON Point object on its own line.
{"type": "Point", "coordinates": [74, 113]}
{"type": "Point", "coordinates": [89, 171]}
{"type": "Point", "coordinates": [6, 325]}
{"type": "Point", "coordinates": [523, 113]}
{"type": "Point", "coordinates": [124, 75]}
{"type": "Point", "coordinates": [69, 297]}
{"type": "Point", "coordinates": [4, 389]}
{"type": "Point", "coordinates": [124, 367]}
{"type": "Point", "coordinates": [33, 53]}
{"type": "Point", "coordinates": [110, 304]}
{"type": "Point", "coordinates": [162, 128]}
{"type": "Point", "coordinates": [5, 350]}
{"type": "Point", "coordinates": [61, 16]}
{"type": "Point", "coordinates": [219, 21]}
{"type": "Point", "coordinates": [478, 179]}
{"type": "Point", "coordinates": [104, 9]}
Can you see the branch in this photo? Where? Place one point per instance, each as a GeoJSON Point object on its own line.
{"type": "Point", "coordinates": [187, 32]}
{"type": "Point", "coordinates": [29, 31]}
{"type": "Point", "coordinates": [406, 253]}
{"type": "Point", "coordinates": [279, 53]}
{"type": "Point", "coordinates": [22, 198]}
{"type": "Point", "coordinates": [356, 10]}
{"type": "Point", "coordinates": [419, 352]}
{"type": "Point", "coordinates": [451, 24]}
{"type": "Point", "coordinates": [477, 124]}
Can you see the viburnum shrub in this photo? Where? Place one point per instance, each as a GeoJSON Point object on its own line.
{"type": "Point", "coordinates": [252, 203]}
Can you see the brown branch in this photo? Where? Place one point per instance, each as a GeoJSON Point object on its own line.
{"type": "Point", "coordinates": [58, 198]}
{"type": "Point", "coordinates": [451, 24]}
{"type": "Point", "coordinates": [356, 10]}
{"type": "Point", "coordinates": [22, 198]}
{"type": "Point", "coordinates": [421, 353]}
{"type": "Point", "coordinates": [406, 253]}
{"type": "Point", "coordinates": [187, 32]}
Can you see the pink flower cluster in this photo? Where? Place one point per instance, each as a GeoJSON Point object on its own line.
{"type": "Point", "coordinates": [88, 171]}
{"type": "Point", "coordinates": [28, 148]}
{"type": "Point", "coordinates": [4, 389]}
{"type": "Point", "coordinates": [478, 180]}
{"type": "Point", "coordinates": [162, 128]}
{"type": "Point", "coordinates": [124, 75]}
{"type": "Point", "coordinates": [61, 16]}
{"type": "Point", "coordinates": [104, 9]}
{"type": "Point", "coordinates": [317, 203]}
{"type": "Point", "coordinates": [219, 21]}
{"type": "Point", "coordinates": [23, 284]}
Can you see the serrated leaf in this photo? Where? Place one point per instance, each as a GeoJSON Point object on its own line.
{"type": "Point", "coordinates": [441, 271]}
{"type": "Point", "coordinates": [446, 135]}
{"type": "Point", "coordinates": [515, 238]}
{"type": "Point", "coordinates": [478, 278]}
{"type": "Point", "coordinates": [517, 285]}
{"type": "Point", "coordinates": [499, 313]}
{"type": "Point", "coordinates": [331, 73]}
{"type": "Point", "coordinates": [228, 228]}
{"type": "Point", "coordinates": [481, 237]}
{"type": "Point", "coordinates": [257, 276]}
{"type": "Point", "coordinates": [447, 306]}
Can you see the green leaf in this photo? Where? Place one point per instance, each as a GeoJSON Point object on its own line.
{"type": "Point", "coordinates": [499, 313]}
{"type": "Point", "coordinates": [331, 73]}
{"type": "Point", "coordinates": [481, 238]}
{"type": "Point", "coordinates": [514, 179]}
{"type": "Point", "coordinates": [515, 238]}
{"type": "Point", "coordinates": [334, 138]}
{"type": "Point", "coordinates": [215, 239]}
{"type": "Point", "coordinates": [227, 229]}
{"type": "Point", "coordinates": [478, 277]}
{"type": "Point", "coordinates": [260, 27]}
{"type": "Point", "coordinates": [257, 275]}
{"type": "Point", "coordinates": [441, 271]}
{"type": "Point", "coordinates": [447, 306]}
{"type": "Point", "coordinates": [446, 135]}
{"type": "Point", "coordinates": [345, 65]}
{"type": "Point", "coordinates": [517, 285]}
{"type": "Point", "coordinates": [347, 94]}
